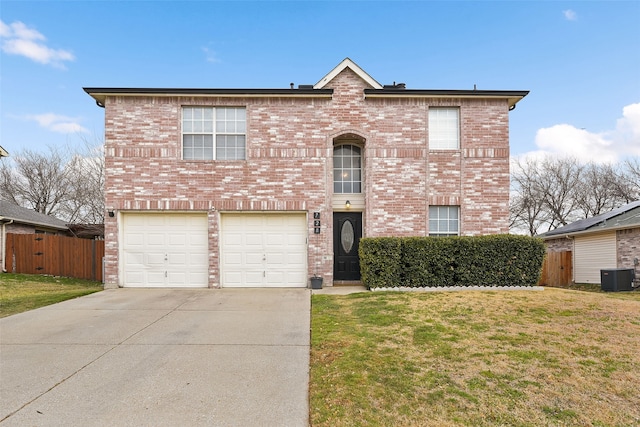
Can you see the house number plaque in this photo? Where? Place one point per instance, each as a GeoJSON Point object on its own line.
{"type": "Point", "coordinates": [316, 223]}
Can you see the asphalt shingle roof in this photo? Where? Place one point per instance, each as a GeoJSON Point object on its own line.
{"type": "Point", "coordinates": [10, 211]}
{"type": "Point", "coordinates": [627, 215]}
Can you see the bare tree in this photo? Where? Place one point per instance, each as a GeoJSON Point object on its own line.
{"type": "Point", "coordinates": [36, 181]}
{"type": "Point", "coordinates": [527, 202]}
{"type": "Point", "coordinates": [596, 193]}
{"type": "Point", "coordinates": [630, 180]}
{"type": "Point", "coordinates": [64, 183]}
{"type": "Point", "coordinates": [551, 192]}
{"type": "Point", "coordinates": [86, 172]}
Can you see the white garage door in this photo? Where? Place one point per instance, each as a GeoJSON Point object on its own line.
{"type": "Point", "coordinates": [263, 250]}
{"type": "Point", "coordinates": [592, 254]}
{"type": "Point", "coordinates": [164, 250]}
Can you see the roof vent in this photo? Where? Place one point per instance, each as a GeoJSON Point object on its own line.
{"type": "Point", "coordinates": [395, 86]}
{"type": "Point", "coordinates": [305, 87]}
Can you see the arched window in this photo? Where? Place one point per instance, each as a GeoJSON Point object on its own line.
{"type": "Point", "coordinates": [347, 169]}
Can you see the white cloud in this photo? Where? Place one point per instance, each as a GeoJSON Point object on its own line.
{"type": "Point", "coordinates": [18, 39]}
{"type": "Point", "coordinates": [564, 140]}
{"type": "Point", "coordinates": [570, 15]}
{"type": "Point", "coordinates": [210, 55]}
{"type": "Point", "coordinates": [5, 31]}
{"type": "Point", "coordinates": [627, 131]}
{"type": "Point", "coordinates": [58, 123]}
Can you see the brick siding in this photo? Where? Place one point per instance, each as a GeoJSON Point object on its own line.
{"type": "Point", "coordinates": [559, 245]}
{"type": "Point", "coordinates": [628, 244]}
{"type": "Point", "coordinates": [289, 164]}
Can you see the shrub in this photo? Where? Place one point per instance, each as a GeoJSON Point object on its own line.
{"type": "Point", "coordinates": [495, 260]}
{"type": "Point", "coordinates": [380, 261]}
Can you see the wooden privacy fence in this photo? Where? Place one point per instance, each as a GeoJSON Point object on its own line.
{"type": "Point", "coordinates": [54, 255]}
{"type": "Point", "coordinates": [557, 269]}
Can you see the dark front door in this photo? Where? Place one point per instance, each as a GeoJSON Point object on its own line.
{"type": "Point", "coordinates": [347, 231]}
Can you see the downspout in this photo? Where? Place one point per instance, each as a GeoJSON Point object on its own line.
{"type": "Point", "coordinates": [4, 243]}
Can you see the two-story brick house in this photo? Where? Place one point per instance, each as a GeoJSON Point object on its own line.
{"type": "Point", "coordinates": [267, 187]}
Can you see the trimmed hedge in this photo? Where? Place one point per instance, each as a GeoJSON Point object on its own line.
{"type": "Point", "coordinates": [495, 260]}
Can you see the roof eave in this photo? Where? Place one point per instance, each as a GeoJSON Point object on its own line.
{"type": "Point", "coordinates": [100, 94]}
{"type": "Point", "coordinates": [590, 230]}
{"type": "Point", "coordinates": [512, 96]}
{"type": "Point", "coordinates": [34, 223]}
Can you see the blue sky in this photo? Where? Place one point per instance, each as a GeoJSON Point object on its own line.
{"type": "Point", "coordinates": [580, 60]}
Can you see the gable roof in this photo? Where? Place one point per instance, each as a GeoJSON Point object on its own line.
{"type": "Point", "coordinates": [3, 152]}
{"type": "Point", "coordinates": [347, 63]}
{"type": "Point", "coordinates": [626, 216]}
{"type": "Point", "coordinates": [319, 90]}
{"type": "Point", "coordinates": [10, 211]}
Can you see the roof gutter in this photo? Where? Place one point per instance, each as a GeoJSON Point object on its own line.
{"type": "Point", "coordinates": [100, 94]}
{"type": "Point", "coordinates": [512, 96]}
{"type": "Point", "coordinates": [589, 231]}
{"type": "Point", "coordinates": [38, 224]}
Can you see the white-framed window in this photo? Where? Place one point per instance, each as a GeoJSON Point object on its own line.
{"type": "Point", "coordinates": [214, 133]}
{"type": "Point", "coordinates": [347, 169]}
{"type": "Point", "coordinates": [444, 221]}
{"type": "Point", "coordinates": [444, 128]}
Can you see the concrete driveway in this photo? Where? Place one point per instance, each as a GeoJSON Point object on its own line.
{"type": "Point", "coordinates": [159, 357]}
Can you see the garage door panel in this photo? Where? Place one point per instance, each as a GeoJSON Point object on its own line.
{"type": "Point", "coordinates": [277, 259]}
{"type": "Point", "coordinates": [198, 241]}
{"type": "Point", "coordinates": [155, 278]}
{"type": "Point", "coordinates": [155, 259]}
{"type": "Point", "coordinates": [134, 277]}
{"type": "Point", "coordinates": [234, 258]}
{"type": "Point", "coordinates": [273, 249]}
{"type": "Point", "coordinates": [177, 260]}
{"type": "Point", "coordinates": [250, 279]}
{"type": "Point", "coordinates": [253, 260]}
{"type": "Point", "coordinates": [297, 258]}
{"type": "Point", "coordinates": [136, 221]}
{"type": "Point", "coordinates": [134, 238]}
{"type": "Point", "coordinates": [232, 277]}
{"type": "Point", "coordinates": [253, 239]}
{"type": "Point", "coordinates": [177, 240]}
{"type": "Point", "coordinates": [165, 250]}
{"type": "Point", "coordinates": [276, 277]}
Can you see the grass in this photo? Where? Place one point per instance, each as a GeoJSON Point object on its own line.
{"type": "Point", "coordinates": [23, 292]}
{"type": "Point", "coordinates": [519, 358]}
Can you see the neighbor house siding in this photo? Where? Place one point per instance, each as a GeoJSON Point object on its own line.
{"type": "Point", "coordinates": [560, 244]}
{"type": "Point", "coordinates": [628, 245]}
{"type": "Point", "coordinates": [593, 253]}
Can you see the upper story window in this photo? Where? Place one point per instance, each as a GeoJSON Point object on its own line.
{"type": "Point", "coordinates": [444, 128]}
{"type": "Point", "coordinates": [347, 169]}
{"type": "Point", "coordinates": [214, 133]}
{"type": "Point", "coordinates": [444, 221]}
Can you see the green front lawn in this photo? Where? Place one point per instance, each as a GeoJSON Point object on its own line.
{"type": "Point", "coordinates": [514, 358]}
{"type": "Point", "coordinates": [22, 292]}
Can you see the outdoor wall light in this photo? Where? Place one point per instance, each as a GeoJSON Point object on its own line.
{"type": "Point", "coordinates": [111, 214]}
{"type": "Point", "coordinates": [347, 204]}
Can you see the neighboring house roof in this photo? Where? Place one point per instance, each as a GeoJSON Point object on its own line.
{"type": "Point", "coordinates": [87, 231]}
{"type": "Point", "coordinates": [318, 90]}
{"type": "Point", "coordinates": [3, 152]}
{"type": "Point", "coordinates": [627, 216]}
{"type": "Point", "coordinates": [10, 211]}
